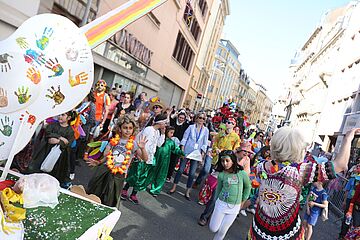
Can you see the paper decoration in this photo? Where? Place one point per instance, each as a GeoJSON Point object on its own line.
{"type": "Point", "coordinates": [38, 83]}
{"type": "Point", "coordinates": [102, 28]}
{"type": "Point", "coordinates": [46, 68]}
{"type": "Point", "coordinates": [195, 155]}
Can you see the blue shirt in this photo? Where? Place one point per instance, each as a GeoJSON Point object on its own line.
{"type": "Point", "coordinates": [193, 138]}
{"type": "Point", "coordinates": [318, 197]}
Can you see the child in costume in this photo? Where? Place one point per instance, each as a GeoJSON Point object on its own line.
{"type": "Point", "coordinates": [57, 133]}
{"type": "Point", "coordinates": [232, 189]}
{"type": "Point", "coordinates": [111, 170]}
{"type": "Point", "coordinates": [139, 170]}
{"type": "Point", "coordinates": [157, 175]}
{"type": "Point", "coordinates": [316, 202]}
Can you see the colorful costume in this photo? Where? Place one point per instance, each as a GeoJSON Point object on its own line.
{"type": "Point", "coordinates": [102, 100]}
{"type": "Point", "coordinates": [139, 170]}
{"type": "Point", "coordinates": [277, 214]}
{"type": "Point", "coordinates": [230, 141]}
{"type": "Point", "coordinates": [106, 185]}
{"type": "Point", "coordinates": [157, 175]}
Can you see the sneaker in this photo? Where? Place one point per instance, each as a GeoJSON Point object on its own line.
{"type": "Point", "coordinates": [242, 212]}
{"type": "Point", "coordinates": [201, 203]}
{"type": "Point", "coordinates": [168, 179]}
{"type": "Point", "coordinates": [154, 195]}
{"type": "Point", "coordinates": [124, 194]}
{"type": "Point", "coordinates": [202, 221]}
{"type": "Point", "coordinates": [72, 176]}
{"type": "Point", "coordinates": [134, 199]}
{"type": "Point", "coordinates": [251, 210]}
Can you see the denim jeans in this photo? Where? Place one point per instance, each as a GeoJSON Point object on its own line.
{"type": "Point", "coordinates": [205, 170]}
{"type": "Point", "coordinates": [193, 166]}
{"type": "Point", "coordinates": [209, 207]}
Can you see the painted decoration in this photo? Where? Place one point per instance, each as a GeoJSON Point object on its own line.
{"type": "Point", "coordinates": [46, 68]}
{"type": "Point", "coordinates": [43, 63]}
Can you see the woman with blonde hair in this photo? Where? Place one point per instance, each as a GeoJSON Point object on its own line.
{"type": "Point", "coordinates": [277, 214]}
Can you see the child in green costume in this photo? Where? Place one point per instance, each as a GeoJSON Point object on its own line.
{"type": "Point", "coordinates": [157, 175]}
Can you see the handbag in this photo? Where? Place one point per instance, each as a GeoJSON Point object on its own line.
{"type": "Point", "coordinates": [51, 159]}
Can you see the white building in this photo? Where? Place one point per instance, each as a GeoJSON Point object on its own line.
{"type": "Point", "coordinates": [325, 78]}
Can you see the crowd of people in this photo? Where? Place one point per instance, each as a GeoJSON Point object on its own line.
{"type": "Point", "coordinates": [138, 144]}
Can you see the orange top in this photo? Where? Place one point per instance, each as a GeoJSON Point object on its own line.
{"type": "Point", "coordinates": [101, 102]}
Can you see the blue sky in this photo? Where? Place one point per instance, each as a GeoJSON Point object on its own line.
{"type": "Point", "coordinates": [267, 34]}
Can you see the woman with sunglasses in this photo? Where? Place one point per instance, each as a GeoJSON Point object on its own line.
{"type": "Point", "coordinates": [195, 138]}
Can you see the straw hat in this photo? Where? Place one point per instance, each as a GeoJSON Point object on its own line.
{"type": "Point", "coordinates": [246, 146]}
{"type": "Point", "coordinates": [155, 101]}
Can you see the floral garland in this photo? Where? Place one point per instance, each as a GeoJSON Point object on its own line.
{"type": "Point", "coordinates": [110, 163]}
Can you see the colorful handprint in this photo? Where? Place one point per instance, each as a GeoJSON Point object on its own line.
{"type": "Point", "coordinates": [21, 41]}
{"type": "Point", "coordinates": [4, 62]}
{"type": "Point", "coordinates": [32, 56]}
{"type": "Point", "coordinates": [55, 66]}
{"type": "Point", "coordinates": [56, 95]}
{"type": "Point", "coordinates": [31, 119]}
{"type": "Point", "coordinates": [81, 78]}
{"type": "Point", "coordinates": [34, 75]}
{"type": "Point", "coordinates": [23, 94]}
{"type": "Point", "coordinates": [43, 42]}
{"type": "Point", "coordinates": [6, 127]}
{"type": "Point", "coordinates": [3, 98]}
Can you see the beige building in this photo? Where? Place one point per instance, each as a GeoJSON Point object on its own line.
{"type": "Point", "coordinates": [325, 78]}
{"type": "Point", "coordinates": [201, 84]}
{"type": "Point", "coordinates": [228, 81]}
{"type": "Point", "coordinates": [169, 40]}
{"type": "Point", "coordinates": [260, 114]}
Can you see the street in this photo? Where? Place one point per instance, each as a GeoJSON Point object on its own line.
{"type": "Point", "coordinates": [174, 217]}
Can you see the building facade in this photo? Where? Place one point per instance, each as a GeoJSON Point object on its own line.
{"type": "Point", "coordinates": [228, 84]}
{"type": "Point", "coordinates": [201, 84]}
{"type": "Point", "coordinates": [155, 54]}
{"type": "Point", "coordinates": [325, 79]}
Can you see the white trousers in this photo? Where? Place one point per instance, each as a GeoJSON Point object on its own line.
{"type": "Point", "coordinates": [222, 218]}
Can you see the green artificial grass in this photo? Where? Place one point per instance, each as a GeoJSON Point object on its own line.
{"type": "Point", "coordinates": [68, 220]}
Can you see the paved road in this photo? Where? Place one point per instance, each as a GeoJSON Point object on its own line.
{"type": "Point", "coordinates": [172, 217]}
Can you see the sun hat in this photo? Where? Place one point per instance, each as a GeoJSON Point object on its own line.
{"type": "Point", "coordinates": [246, 146]}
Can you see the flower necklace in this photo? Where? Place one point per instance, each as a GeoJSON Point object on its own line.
{"type": "Point", "coordinates": [110, 163]}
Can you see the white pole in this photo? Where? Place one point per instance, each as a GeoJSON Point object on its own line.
{"type": "Point", "coordinates": [12, 153]}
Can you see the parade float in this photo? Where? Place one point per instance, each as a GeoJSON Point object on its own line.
{"type": "Point", "coordinates": [46, 68]}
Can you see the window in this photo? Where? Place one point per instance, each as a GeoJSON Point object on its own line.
{"type": "Point", "coordinates": [203, 7]}
{"type": "Point", "coordinates": [154, 19]}
{"type": "Point", "coordinates": [183, 52]}
{"type": "Point", "coordinates": [191, 21]}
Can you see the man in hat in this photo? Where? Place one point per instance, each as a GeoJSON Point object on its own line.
{"type": "Point", "coordinates": [156, 107]}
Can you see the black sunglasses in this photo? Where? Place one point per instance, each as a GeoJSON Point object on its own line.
{"type": "Point", "coordinates": [201, 118]}
{"type": "Point", "coordinates": [156, 106]}
{"type": "Point", "coordinates": [229, 122]}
